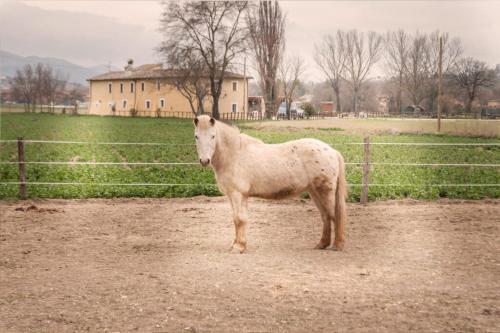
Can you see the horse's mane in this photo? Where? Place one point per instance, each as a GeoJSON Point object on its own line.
{"type": "Point", "coordinates": [232, 133]}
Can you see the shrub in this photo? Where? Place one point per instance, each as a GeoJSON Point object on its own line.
{"type": "Point", "coordinates": [158, 113]}
{"type": "Point", "coordinates": [309, 109]}
{"type": "Point", "coordinates": [133, 112]}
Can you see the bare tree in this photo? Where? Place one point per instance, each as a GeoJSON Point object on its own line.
{"type": "Point", "coordinates": [397, 48]}
{"type": "Point", "coordinates": [290, 71]}
{"type": "Point", "coordinates": [51, 86]}
{"type": "Point", "coordinates": [23, 87]}
{"type": "Point", "coordinates": [361, 56]}
{"type": "Point", "coordinates": [470, 75]}
{"type": "Point", "coordinates": [330, 56]}
{"type": "Point", "coordinates": [451, 52]}
{"type": "Point", "coordinates": [39, 72]}
{"type": "Point", "coordinates": [212, 29]}
{"type": "Point", "coordinates": [190, 77]}
{"type": "Point", "coordinates": [36, 84]}
{"type": "Point", "coordinates": [417, 69]}
{"type": "Point", "coordinates": [73, 97]}
{"type": "Point", "coordinates": [266, 24]}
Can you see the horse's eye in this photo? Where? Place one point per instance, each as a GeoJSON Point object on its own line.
{"type": "Point", "coordinates": [196, 137]}
{"type": "Point", "coordinates": [213, 137]}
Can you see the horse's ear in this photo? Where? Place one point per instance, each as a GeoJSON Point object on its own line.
{"type": "Point", "coordinates": [195, 120]}
{"type": "Point", "coordinates": [212, 121]}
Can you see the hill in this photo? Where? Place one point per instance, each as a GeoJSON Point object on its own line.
{"type": "Point", "coordinates": [10, 62]}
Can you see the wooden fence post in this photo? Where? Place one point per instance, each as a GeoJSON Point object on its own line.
{"type": "Point", "coordinates": [366, 171]}
{"type": "Point", "coordinates": [22, 170]}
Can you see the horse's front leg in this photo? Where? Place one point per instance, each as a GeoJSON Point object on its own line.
{"type": "Point", "coordinates": [239, 203]}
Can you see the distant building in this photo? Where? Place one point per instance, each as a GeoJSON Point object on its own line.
{"type": "Point", "coordinates": [326, 106]}
{"type": "Point", "coordinates": [383, 104]}
{"type": "Point", "coordinates": [414, 109]}
{"type": "Point", "coordinates": [493, 104]}
{"type": "Point", "coordinates": [146, 89]}
{"type": "Point", "coordinates": [256, 104]}
{"type": "Point", "coordinates": [307, 98]}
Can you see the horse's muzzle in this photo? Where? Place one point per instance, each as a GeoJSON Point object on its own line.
{"type": "Point", "coordinates": [204, 161]}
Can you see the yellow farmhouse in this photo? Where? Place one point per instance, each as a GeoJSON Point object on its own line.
{"type": "Point", "coordinates": [146, 89]}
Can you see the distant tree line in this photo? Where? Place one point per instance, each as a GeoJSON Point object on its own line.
{"type": "Point", "coordinates": [411, 63]}
{"type": "Point", "coordinates": [207, 38]}
{"type": "Point", "coordinates": [38, 85]}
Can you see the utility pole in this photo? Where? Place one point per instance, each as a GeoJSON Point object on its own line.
{"type": "Point", "coordinates": [245, 87]}
{"type": "Point", "coordinates": [440, 79]}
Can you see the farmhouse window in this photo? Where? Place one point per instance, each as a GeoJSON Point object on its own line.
{"type": "Point", "coordinates": [158, 85]}
{"type": "Point", "coordinates": [234, 107]}
{"type": "Point", "coordinates": [131, 87]}
{"type": "Point", "coordinates": [142, 86]}
{"type": "Point", "coordinates": [162, 103]}
{"type": "Point", "coordinates": [235, 86]}
{"type": "Point", "coordinates": [148, 104]}
{"type": "Point", "coordinates": [121, 88]}
{"type": "Point", "coordinates": [124, 104]}
{"type": "Point", "coordinates": [109, 87]}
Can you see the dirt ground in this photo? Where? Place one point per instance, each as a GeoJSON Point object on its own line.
{"type": "Point", "coordinates": [161, 265]}
{"type": "Point", "coordinates": [472, 127]}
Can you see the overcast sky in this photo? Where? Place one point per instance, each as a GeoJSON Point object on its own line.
{"type": "Point", "coordinates": [97, 32]}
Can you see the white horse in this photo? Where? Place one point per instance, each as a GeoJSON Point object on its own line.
{"type": "Point", "coordinates": [246, 167]}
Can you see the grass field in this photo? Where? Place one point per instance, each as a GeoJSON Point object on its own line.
{"type": "Point", "coordinates": [109, 129]}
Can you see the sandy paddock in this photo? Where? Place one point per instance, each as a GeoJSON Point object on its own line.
{"type": "Point", "coordinates": [154, 265]}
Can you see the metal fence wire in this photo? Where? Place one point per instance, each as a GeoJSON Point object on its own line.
{"type": "Point", "coordinates": [366, 164]}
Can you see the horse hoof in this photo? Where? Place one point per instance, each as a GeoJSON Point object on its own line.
{"type": "Point", "coordinates": [239, 247]}
{"type": "Point", "coordinates": [338, 247]}
{"type": "Point", "coordinates": [321, 246]}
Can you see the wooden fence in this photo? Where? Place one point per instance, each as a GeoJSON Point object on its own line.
{"type": "Point", "coordinates": [249, 116]}
{"type": "Point", "coordinates": [242, 116]}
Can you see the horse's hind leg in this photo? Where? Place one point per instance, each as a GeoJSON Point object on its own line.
{"type": "Point", "coordinates": [325, 240]}
{"type": "Point", "coordinates": [328, 200]}
{"type": "Point", "coordinates": [239, 203]}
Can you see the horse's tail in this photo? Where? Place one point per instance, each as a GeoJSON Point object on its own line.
{"type": "Point", "coordinates": [340, 205]}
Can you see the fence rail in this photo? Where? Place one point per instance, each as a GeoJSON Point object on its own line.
{"type": "Point", "coordinates": [486, 165]}
{"type": "Point", "coordinates": [192, 144]}
{"type": "Point", "coordinates": [366, 164]}
{"type": "Point", "coordinates": [214, 185]}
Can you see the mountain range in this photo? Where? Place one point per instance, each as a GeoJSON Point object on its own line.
{"type": "Point", "coordinates": [10, 62]}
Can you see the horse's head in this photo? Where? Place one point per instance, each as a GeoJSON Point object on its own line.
{"type": "Point", "coordinates": [204, 133]}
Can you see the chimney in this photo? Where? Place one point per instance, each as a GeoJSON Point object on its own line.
{"type": "Point", "coordinates": [130, 65]}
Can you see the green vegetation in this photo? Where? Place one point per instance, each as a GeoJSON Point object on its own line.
{"type": "Point", "coordinates": [161, 130]}
{"type": "Point", "coordinates": [309, 109]}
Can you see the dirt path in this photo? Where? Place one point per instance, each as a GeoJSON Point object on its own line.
{"type": "Point", "coordinates": [151, 265]}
